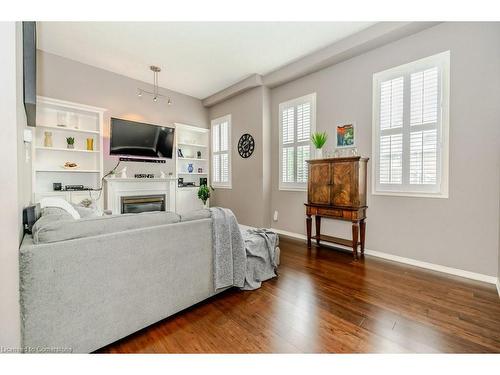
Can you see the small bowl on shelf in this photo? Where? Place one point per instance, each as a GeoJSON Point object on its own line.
{"type": "Point", "coordinates": [70, 165]}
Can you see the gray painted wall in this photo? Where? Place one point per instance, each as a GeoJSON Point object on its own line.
{"type": "Point", "coordinates": [70, 80]}
{"type": "Point", "coordinates": [249, 197]}
{"type": "Point", "coordinates": [461, 231]}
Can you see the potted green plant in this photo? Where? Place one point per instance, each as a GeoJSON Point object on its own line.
{"type": "Point", "coordinates": [204, 194]}
{"type": "Point", "coordinates": [70, 142]}
{"type": "Point", "coordinates": [319, 139]}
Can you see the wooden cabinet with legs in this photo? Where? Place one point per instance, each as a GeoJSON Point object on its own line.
{"type": "Point", "coordinates": [337, 190]}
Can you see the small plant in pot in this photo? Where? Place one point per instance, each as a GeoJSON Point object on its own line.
{"type": "Point", "coordinates": [319, 139]}
{"type": "Point", "coordinates": [204, 194]}
{"type": "Point", "coordinates": [70, 142]}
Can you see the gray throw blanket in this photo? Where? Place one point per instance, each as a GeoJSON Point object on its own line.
{"type": "Point", "coordinates": [262, 251]}
{"type": "Point", "coordinates": [229, 249]}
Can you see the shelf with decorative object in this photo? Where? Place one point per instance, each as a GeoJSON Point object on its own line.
{"type": "Point", "coordinates": [193, 159]}
{"type": "Point", "coordinates": [73, 170]}
{"type": "Point", "coordinates": [65, 149]}
{"type": "Point", "coordinates": [192, 153]}
{"type": "Point", "coordinates": [66, 129]}
{"type": "Point", "coordinates": [192, 145]}
{"type": "Point", "coordinates": [66, 133]}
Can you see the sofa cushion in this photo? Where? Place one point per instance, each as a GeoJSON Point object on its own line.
{"type": "Point", "coordinates": [203, 213]}
{"type": "Point", "coordinates": [86, 212]}
{"type": "Point", "coordinates": [60, 203]}
{"type": "Point", "coordinates": [54, 228]}
{"type": "Point", "coordinates": [47, 211]}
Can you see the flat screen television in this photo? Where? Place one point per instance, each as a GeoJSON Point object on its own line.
{"type": "Point", "coordinates": [130, 138]}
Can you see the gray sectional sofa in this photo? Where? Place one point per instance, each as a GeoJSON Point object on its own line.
{"type": "Point", "coordinates": [90, 282]}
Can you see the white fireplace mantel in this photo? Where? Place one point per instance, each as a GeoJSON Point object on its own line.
{"type": "Point", "coordinates": [124, 187]}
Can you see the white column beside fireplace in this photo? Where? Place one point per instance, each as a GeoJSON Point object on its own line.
{"type": "Point", "coordinates": [131, 187]}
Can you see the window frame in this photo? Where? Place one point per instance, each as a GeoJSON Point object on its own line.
{"type": "Point", "coordinates": [442, 61]}
{"type": "Point", "coordinates": [218, 121]}
{"type": "Point", "coordinates": [309, 98]}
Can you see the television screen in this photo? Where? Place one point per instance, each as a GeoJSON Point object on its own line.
{"type": "Point", "coordinates": [130, 138]}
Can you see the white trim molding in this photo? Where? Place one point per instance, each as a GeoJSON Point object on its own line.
{"type": "Point", "coordinates": [403, 74]}
{"type": "Point", "coordinates": [498, 286]}
{"type": "Point", "coordinates": [434, 267]}
{"type": "Point", "coordinates": [413, 262]}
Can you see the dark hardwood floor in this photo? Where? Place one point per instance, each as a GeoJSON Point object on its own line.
{"type": "Point", "coordinates": [323, 301]}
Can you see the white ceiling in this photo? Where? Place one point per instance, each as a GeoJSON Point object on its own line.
{"type": "Point", "coordinates": [197, 58]}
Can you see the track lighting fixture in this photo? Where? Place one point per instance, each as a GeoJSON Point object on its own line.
{"type": "Point", "coordinates": [155, 94]}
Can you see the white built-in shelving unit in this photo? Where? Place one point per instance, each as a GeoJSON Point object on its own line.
{"type": "Point", "coordinates": [66, 119]}
{"type": "Point", "coordinates": [191, 140]}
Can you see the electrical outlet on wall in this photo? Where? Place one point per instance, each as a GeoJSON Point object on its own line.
{"type": "Point", "coordinates": [275, 216]}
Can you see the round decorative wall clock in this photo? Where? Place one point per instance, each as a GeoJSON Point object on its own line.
{"type": "Point", "coordinates": [246, 145]}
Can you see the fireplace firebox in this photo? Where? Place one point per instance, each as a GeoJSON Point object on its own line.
{"type": "Point", "coordinates": [142, 203]}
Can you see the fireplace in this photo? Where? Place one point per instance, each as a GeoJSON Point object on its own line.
{"type": "Point", "coordinates": [142, 203]}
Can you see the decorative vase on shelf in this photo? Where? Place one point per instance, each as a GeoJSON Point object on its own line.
{"type": "Point", "coordinates": [47, 142]}
{"type": "Point", "coordinates": [319, 153]}
{"type": "Point", "coordinates": [74, 121]}
{"type": "Point", "coordinates": [70, 142]}
{"type": "Point", "coordinates": [62, 119]}
{"type": "Point", "coordinates": [90, 144]}
{"type": "Point", "coordinates": [190, 168]}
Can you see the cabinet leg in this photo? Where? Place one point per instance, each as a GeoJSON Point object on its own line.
{"type": "Point", "coordinates": [362, 229]}
{"type": "Point", "coordinates": [318, 228]}
{"type": "Point", "coordinates": [308, 228]}
{"type": "Point", "coordinates": [355, 236]}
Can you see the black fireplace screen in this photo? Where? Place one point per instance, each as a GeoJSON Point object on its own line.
{"type": "Point", "coordinates": [144, 203]}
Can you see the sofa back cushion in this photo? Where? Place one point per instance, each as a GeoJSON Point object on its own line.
{"type": "Point", "coordinates": [203, 213]}
{"type": "Point", "coordinates": [54, 228]}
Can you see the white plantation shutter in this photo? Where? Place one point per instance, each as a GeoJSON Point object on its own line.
{"type": "Point", "coordinates": [391, 103]}
{"type": "Point", "coordinates": [221, 152]}
{"type": "Point", "coordinates": [297, 122]}
{"type": "Point", "coordinates": [410, 128]}
{"type": "Point", "coordinates": [391, 159]}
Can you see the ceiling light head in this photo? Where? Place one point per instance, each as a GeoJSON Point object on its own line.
{"type": "Point", "coordinates": [169, 101]}
{"type": "Point", "coordinates": [139, 93]}
{"type": "Point", "coordinates": [155, 99]}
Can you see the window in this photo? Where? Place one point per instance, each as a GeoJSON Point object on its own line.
{"type": "Point", "coordinates": [297, 121]}
{"type": "Point", "coordinates": [221, 152]}
{"type": "Point", "coordinates": [410, 128]}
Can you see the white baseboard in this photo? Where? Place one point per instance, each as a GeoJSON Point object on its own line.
{"type": "Point", "coordinates": [289, 234]}
{"type": "Point", "coordinates": [414, 262]}
{"type": "Point", "coordinates": [498, 286]}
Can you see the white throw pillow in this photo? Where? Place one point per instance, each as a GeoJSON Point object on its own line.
{"type": "Point", "coordinates": [61, 203]}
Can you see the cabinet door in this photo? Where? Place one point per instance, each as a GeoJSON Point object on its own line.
{"type": "Point", "coordinates": [187, 200]}
{"type": "Point", "coordinates": [344, 190]}
{"type": "Point", "coordinates": [319, 183]}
